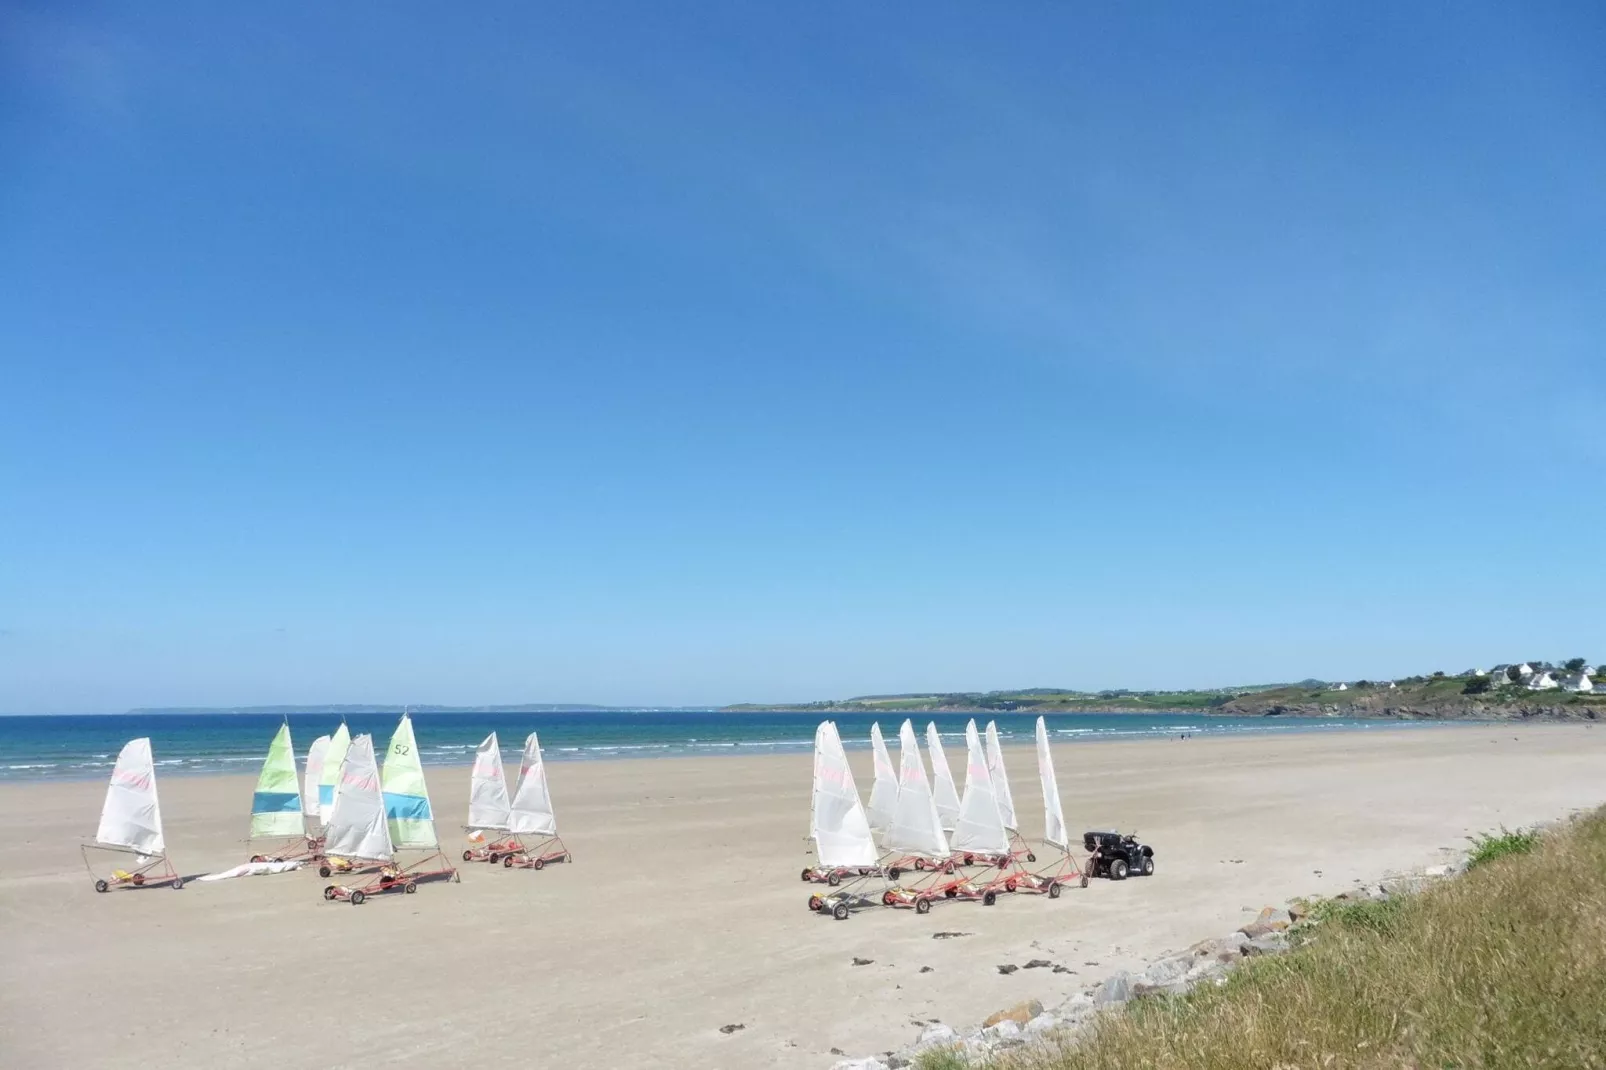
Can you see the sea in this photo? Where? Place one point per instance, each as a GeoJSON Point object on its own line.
{"type": "Point", "coordinates": [74, 746]}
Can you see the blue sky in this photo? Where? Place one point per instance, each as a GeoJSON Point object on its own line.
{"type": "Point", "coordinates": [630, 354]}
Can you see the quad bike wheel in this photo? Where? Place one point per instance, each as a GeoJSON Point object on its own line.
{"type": "Point", "coordinates": [357, 897]}
{"type": "Point", "coordinates": [989, 898]}
{"type": "Point", "coordinates": [1118, 869]}
{"type": "Point", "coordinates": [922, 906]}
{"type": "Point", "coordinates": [102, 886]}
{"type": "Point", "coordinates": [328, 892]}
{"type": "Point", "coordinates": [833, 878]}
{"type": "Point", "coordinates": [1148, 866]}
{"type": "Point", "coordinates": [1054, 890]}
{"type": "Point", "coordinates": [840, 912]}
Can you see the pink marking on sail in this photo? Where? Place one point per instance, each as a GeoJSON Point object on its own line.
{"type": "Point", "coordinates": [141, 781]}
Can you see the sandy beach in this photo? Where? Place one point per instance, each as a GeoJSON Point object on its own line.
{"type": "Point", "coordinates": [684, 913]}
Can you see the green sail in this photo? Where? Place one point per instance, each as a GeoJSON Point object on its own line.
{"type": "Point", "coordinates": [333, 758]}
{"type": "Point", "coordinates": [276, 806]}
{"type": "Point", "coordinates": [412, 822]}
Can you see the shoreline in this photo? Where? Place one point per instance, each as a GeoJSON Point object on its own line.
{"type": "Point", "coordinates": [95, 767]}
{"type": "Point", "coordinates": [683, 913]}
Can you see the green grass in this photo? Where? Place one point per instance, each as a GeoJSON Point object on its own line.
{"type": "Point", "coordinates": [1487, 848]}
{"type": "Point", "coordinates": [1504, 966]}
{"type": "Point", "coordinates": [942, 1059]}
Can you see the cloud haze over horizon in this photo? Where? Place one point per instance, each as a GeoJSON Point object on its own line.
{"type": "Point", "coordinates": [630, 356]}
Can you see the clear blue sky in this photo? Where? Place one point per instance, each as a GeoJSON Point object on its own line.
{"type": "Point", "coordinates": [646, 354]}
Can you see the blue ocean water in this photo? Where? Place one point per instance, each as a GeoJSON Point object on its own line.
{"type": "Point", "coordinates": [85, 746]}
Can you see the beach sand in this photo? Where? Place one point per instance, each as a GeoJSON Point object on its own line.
{"type": "Point", "coordinates": [684, 912]}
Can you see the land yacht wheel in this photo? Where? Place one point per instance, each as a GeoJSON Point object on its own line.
{"type": "Point", "coordinates": [922, 906]}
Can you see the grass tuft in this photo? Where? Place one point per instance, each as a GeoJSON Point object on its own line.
{"type": "Point", "coordinates": [942, 1059]}
{"type": "Point", "coordinates": [1487, 848]}
{"type": "Point", "coordinates": [1504, 966]}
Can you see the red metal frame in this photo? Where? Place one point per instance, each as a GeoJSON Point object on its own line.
{"type": "Point", "coordinates": [493, 852]}
{"type": "Point", "coordinates": [304, 849]}
{"type": "Point", "coordinates": [538, 857]}
{"type": "Point", "coordinates": [392, 876]}
{"type": "Point", "coordinates": [157, 872]}
{"type": "Point", "coordinates": [1051, 879]}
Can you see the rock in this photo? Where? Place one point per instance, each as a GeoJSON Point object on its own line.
{"type": "Point", "coordinates": [1042, 1023]}
{"type": "Point", "coordinates": [925, 969]}
{"type": "Point", "coordinates": [838, 1051]}
{"type": "Point", "coordinates": [869, 1062]}
{"type": "Point", "coordinates": [1269, 944]}
{"type": "Point", "coordinates": [1002, 1030]}
{"type": "Point", "coordinates": [1277, 919]}
{"type": "Point", "coordinates": [1038, 964]}
{"type": "Point", "coordinates": [1166, 976]}
{"type": "Point", "coordinates": [1008, 969]}
{"type": "Point", "coordinates": [728, 1029]}
{"type": "Point", "coordinates": [1299, 910]}
{"type": "Point", "coordinates": [949, 936]}
{"type": "Point", "coordinates": [1063, 969]}
{"type": "Point", "coordinates": [1020, 1014]}
{"type": "Point", "coordinates": [1438, 871]}
{"type": "Point", "coordinates": [1075, 1007]}
{"type": "Point", "coordinates": [1116, 988]}
{"type": "Point", "coordinates": [935, 1035]}
{"type": "Point", "coordinates": [1208, 970]}
{"type": "Point", "coordinates": [895, 1061]}
{"type": "Point", "coordinates": [862, 962]}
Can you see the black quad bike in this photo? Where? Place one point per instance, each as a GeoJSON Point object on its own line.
{"type": "Point", "coordinates": [1112, 855]}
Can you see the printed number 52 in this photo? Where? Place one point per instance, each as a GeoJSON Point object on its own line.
{"type": "Point", "coordinates": [400, 748]}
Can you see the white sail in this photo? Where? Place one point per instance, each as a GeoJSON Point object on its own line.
{"type": "Point", "coordinates": [132, 817]}
{"type": "Point", "coordinates": [884, 792]}
{"type": "Point", "coordinates": [1053, 816]}
{"type": "Point", "coordinates": [942, 779]}
{"type": "Point", "coordinates": [1000, 778]}
{"type": "Point", "coordinates": [841, 830]}
{"type": "Point", "coordinates": [357, 827]}
{"type": "Point", "coordinates": [915, 828]}
{"type": "Point", "coordinates": [488, 805]}
{"type": "Point", "coordinates": [333, 758]}
{"type": "Point", "coordinates": [531, 811]}
{"type": "Point", "coordinates": [981, 828]}
{"type": "Point", "coordinates": [313, 776]}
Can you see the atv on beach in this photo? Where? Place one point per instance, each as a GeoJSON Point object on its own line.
{"type": "Point", "coordinates": [1113, 855]}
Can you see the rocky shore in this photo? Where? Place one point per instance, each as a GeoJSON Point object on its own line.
{"type": "Point", "coordinates": [1272, 932]}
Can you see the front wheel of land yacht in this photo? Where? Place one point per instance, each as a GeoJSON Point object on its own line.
{"type": "Point", "coordinates": [887, 899]}
{"type": "Point", "coordinates": [258, 858]}
{"type": "Point", "coordinates": [989, 899]}
{"type": "Point", "coordinates": [920, 863]}
{"type": "Point", "coordinates": [468, 856]}
{"type": "Point", "coordinates": [922, 906]}
{"type": "Point", "coordinates": [102, 886]}
{"type": "Point", "coordinates": [138, 879]}
{"type": "Point", "coordinates": [1009, 885]}
{"type": "Point", "coordinates": [329, 893]}
{"type": "Point", "coordinates": [357, 897]}
{"type": "Point", "coordinates": [840, 912]}
{"type": "Point", "coordinates": [970, 860]}
{"type": "Point", "coordinates": [507, 861]}
{"type": "Point", "coordinates": [325, 872]}
{"type": "Point", "coordinates": [1054, 890]}
{"type": "Point", "coordinates": [805, 876]}
{"type": "Point", "coordinates": [815, 903]}
{"type": "Point", "coordinates": [948, 867]}
{"type": "Point", "coordinates": [894, 873]}
{"type": "Point", "coordinates": [1030, 857]}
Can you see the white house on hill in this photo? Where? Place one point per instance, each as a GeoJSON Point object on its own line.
{"type": "Point", "coordinates": [1342, 687]}
{"type": "Point", "coordinates": [1500, 676]}
{"type": "Point", "coordinates": [1578, 682]}
{"type": "Point", "coordinates": [1540, 681]}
